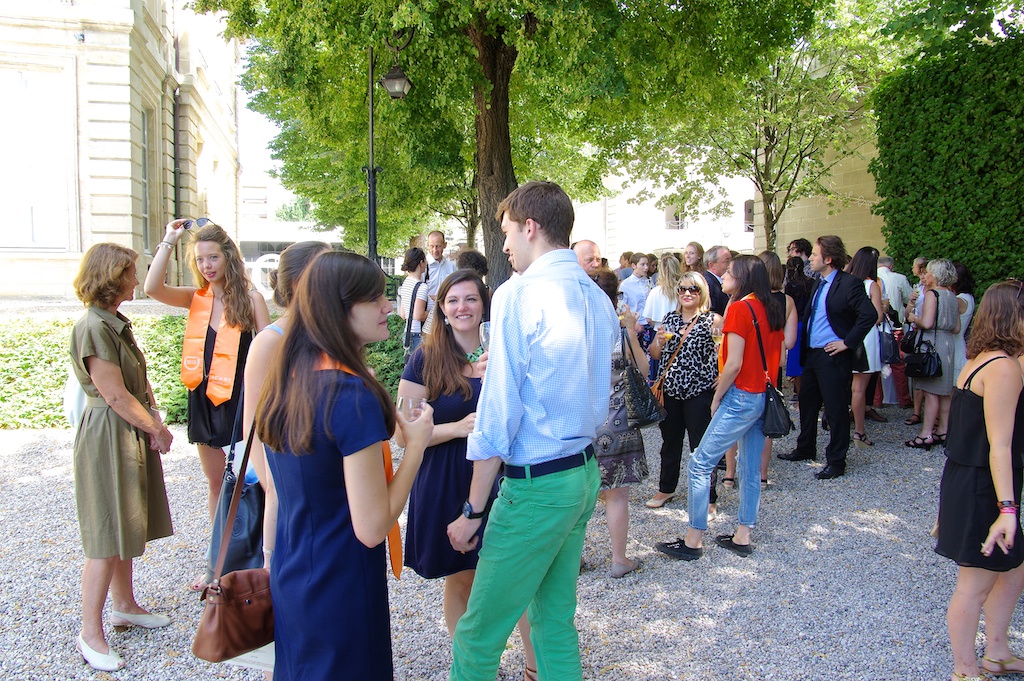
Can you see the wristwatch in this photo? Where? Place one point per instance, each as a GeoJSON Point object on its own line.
{"type": "Point", "coordinates": [467, 510]}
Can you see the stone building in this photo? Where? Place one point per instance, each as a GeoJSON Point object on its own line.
{"type": "Point", "coordinates": [120, 115]}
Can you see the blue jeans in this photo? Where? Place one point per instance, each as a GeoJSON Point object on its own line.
{"type": "Point", "coordinates": [738, 419]}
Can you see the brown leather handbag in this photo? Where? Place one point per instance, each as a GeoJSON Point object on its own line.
{"type": "Point", "coordinates": [239, 614]}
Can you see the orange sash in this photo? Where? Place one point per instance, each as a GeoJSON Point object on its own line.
{"type": "Point", "coordinates": [394, 534]}
{"type": "Point", "coordinates": [225, 350]}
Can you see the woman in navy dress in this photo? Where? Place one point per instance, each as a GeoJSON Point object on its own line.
{"type": "Point", "coordinates": [447, 370]}
{"type": "Point", "coordinates": [325, 421]}
{"type": "Point", "coordinates": [979, 496]}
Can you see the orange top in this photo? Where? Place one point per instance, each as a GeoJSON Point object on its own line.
{"type": "Point", "coordinates": [739, 321]}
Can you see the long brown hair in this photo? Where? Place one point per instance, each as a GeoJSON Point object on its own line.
{"type": "Point", "coordinates": [443, 359]}
{"type": "Point", "coordinates": [999, 321]}
{"type": "Point", "coordinates": [238, 307]}
{"type": "Point", "coordinates": [752, 277]}
{"type": "Point", "coordinates": [320, 326]}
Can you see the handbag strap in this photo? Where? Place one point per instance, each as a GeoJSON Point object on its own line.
{"type": "Point", "coordinates": [234, 428]}
{"type": "Point", "coordinates": [682, 337]}
{"type": "Point", "coordinates": [760, 344]}
{"type": "Point", "coordinates": [408, 318]}
{"type": "Point", "coordinates": [236, 496]}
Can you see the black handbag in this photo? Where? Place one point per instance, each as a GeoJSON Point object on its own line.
{"type": "Point", "coordinates": [888, 348]}
{"type": "Point", "coordinates": [924, 362]}
{"type": "Point", "coordinates": [642, 408]}
{"type": "Point", "coordinates": [777, 422]}
{"type": "Point", "coordinates": [909, 341]}
{"type": "Point", "coordinates": [245, 541]}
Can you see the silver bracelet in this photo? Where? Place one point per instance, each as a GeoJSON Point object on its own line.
{"type": "Point", "coordinates": [169, 245]}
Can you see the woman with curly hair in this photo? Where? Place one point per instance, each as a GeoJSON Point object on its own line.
{"type": "Point", "coordinates": [225, 312]}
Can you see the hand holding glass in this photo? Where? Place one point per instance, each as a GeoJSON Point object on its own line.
{"type": "Point", "coordinates": [485, 335]}
{"type": "Point", "coordinates": [410, 408]}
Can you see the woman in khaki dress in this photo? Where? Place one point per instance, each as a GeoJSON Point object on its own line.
{"type": "Point", "coordinates": [119, 480]}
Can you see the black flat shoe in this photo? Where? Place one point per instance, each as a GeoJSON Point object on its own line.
{"type": "Point", "coordinates": [796, 456]}
{"type": "Point", "coordinates": [726, 542]}
{"type": "Point", "coordinates": [679, 549]}
{"type": "Point", "coordinates": [830, 472]}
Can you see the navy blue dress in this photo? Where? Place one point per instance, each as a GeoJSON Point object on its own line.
{"type": "Point", "coordinates": [440, 489]}
{"type": "Point", "coordinates": [330, 593]}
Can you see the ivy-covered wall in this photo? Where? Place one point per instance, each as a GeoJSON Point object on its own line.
{"type": "Point", "coordinates": [950, 165]}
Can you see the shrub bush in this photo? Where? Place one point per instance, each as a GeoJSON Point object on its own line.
{"type": "Point", "coordinates": [951, 158]}
{"type": "Point", "coordinates": [34, 363]}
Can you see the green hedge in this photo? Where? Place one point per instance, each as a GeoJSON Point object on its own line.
{"type": "Point", "coordinates": [34, 364]}
{"type": "Point", "coordinates": [951, 158]}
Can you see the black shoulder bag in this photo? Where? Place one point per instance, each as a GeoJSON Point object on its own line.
{"type": "Point", "coordinates": [408, 319]}
{"type": "Point", "coordinates": [642, 409]}
{"type": "Point", "coordinates": [924, 361]}
{"type": "Point", "coordinates": [777, 422]}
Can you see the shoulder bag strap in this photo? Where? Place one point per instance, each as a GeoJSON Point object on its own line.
{"type": "Point", "coordinates": [234, 428]}
{"type": "Point", "coordinates": [233, 508]}
{"type": "Point", "coordinates": [760, 344]}
{"type": "Point", "coordinates": [408, 318]}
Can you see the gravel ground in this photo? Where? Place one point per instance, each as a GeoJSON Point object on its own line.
{"type": "Point", "coordinates": [843, 583]}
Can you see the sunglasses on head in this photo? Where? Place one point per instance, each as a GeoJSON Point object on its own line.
{"type": "Point", "coordinates": [1020, 285]}
{"type": "Point", "coordinates": [199, 222]}
{"type": "Point", "coordinates": [687, 289]}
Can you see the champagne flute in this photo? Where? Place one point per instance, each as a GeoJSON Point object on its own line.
{"type": "Point", "coordinates": [485, 335]}
{"type": "Point", "coordinates": [410, 408]}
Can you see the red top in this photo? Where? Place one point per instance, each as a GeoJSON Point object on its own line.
{"type": "Point", "coordinates": [739, 321]}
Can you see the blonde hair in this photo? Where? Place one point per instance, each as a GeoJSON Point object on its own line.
{"type": "Point", "coordinates": [238, 307]}
{"type": "Point", "coordinates": [668, 275]}
{"type": "Point", "coordinates": [695, 279]}
{"type": "Point", "coordinates": [103, 273]}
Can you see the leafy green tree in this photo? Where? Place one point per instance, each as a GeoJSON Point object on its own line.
{"type": "Point", "coordinates": [503, 90]}
{"type": "Point", "coordinates": [784, 126]}
{"type": "Point", "coordinates": [299, 210]}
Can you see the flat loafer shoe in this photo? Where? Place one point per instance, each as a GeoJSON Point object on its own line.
{"type": "Point", "coordinates": [109, 662]}
{"type": "Point", "coordinates": [679, 549]}
{"type": "Point", "coordinates": [726, 542]}
{"type": "Point", "coordinates": [796, 456]}
{"type": "Point", "coordinates": [147, 621]}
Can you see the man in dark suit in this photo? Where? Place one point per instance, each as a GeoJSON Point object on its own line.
{"type": "Point", "coordinates": [839, 316]}
{"type": "Point", "coordinates": [716, 262]}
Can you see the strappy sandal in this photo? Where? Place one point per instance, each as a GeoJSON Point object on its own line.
{"type": "Point", "coordinates": [939, 439]}
{"type": "Point", "coordinates": [862, 440]}
{"type": "Point", "coordinates": [914, 420]}
{"type": "Point", "coordinates": [529, 674]}
{"type": "Point", "coordinates": [1003, 666]}
{"type": "Point", "coordinates": [920, 443]}
{"type": "Point", "coordinates": [963, 677]}
{"type": "Point", "coordinates": [729, 483]}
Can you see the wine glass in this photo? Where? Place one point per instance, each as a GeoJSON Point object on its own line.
{"type": "Point", "coordinates": [410, 408]}
{"type": "Point", "coordinates": [160, 412]}
{"type": "Point", "coordinates": [717, 335]}
{"type": "Point", "coordinates": [485, 335]}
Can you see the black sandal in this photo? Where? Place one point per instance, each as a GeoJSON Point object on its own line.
{"type": "Point", "coordinates": [862, 440]}
{"type": "Point", "coordinates": [920, 443]}
{"type": "Point", "coordinates": [939, 439]}
{"type": "Point", "coordinates": [729, 483]}
{"type": "Point", "coordinates": [914, 420]}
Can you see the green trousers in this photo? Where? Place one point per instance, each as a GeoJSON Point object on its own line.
{"type": "Point", "coordinates": [530, 561]}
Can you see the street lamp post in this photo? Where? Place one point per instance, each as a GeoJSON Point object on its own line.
{"type": "Point", "coordinates": [398, 86]}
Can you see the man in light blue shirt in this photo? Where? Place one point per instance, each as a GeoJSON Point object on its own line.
{"type": "Point", "coordinates": [544, 396]}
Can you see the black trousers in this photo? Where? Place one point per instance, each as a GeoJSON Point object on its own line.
{"type": "Point", "coordinates": [826, 380]}
{"type": "Point", "coordinates": [684, 416]}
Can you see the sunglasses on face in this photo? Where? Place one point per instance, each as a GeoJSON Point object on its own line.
{"type": "Point", "coordinates": [687, 289]}
{"type": "Point", "coordinates": [199, 222]}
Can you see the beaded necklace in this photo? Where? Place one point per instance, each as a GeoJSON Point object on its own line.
{"type": "Point", "coordinates": [475, 355]}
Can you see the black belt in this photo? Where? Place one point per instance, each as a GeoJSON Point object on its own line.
{"type": "Point", "coordinates": [549, 467]}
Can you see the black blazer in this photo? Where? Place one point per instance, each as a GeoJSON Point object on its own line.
{"type": "Point", "coordinates": [719, 300]}
{"type": "Point", "coordinates": [850, 313]}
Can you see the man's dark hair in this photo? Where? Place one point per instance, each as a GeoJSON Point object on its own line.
{"type": "Point", "coordinates": [832, 247]}
{"type": "Point", "coordinates": [472, 260]}
{"type": "Point", "coordinates": [802, 246]}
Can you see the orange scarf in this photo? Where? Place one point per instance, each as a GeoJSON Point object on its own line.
{"type": "Point", "coordinates": [225, 351]}
{"type": "Point", "coordinates": [394, 534]}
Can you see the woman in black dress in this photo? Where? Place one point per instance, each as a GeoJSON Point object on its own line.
{"type": "Point", "coordinates": [979, 497]}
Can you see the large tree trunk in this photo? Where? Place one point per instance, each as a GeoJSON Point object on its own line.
{"type": "Point", "coordinates": [472, 210]}
{"type": "Point", "coordinates": [495, 177]}
{"type": "Point", "coordinates": [770, 219]}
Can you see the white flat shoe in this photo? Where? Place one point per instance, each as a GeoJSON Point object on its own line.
{"type": "Point", "coordinates": [148, 621]}
{"type": "Point", "coordinates": [110, 662]}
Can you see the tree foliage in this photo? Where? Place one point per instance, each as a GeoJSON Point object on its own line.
{"type": "Point", "coordinates": [951, 157]}
{"type": "Point", "coordinates": [784, 126]}
{"type": "Point", "coordinates": [299, 210]}
{"type": "Point", "coordinates": [503, 91]}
